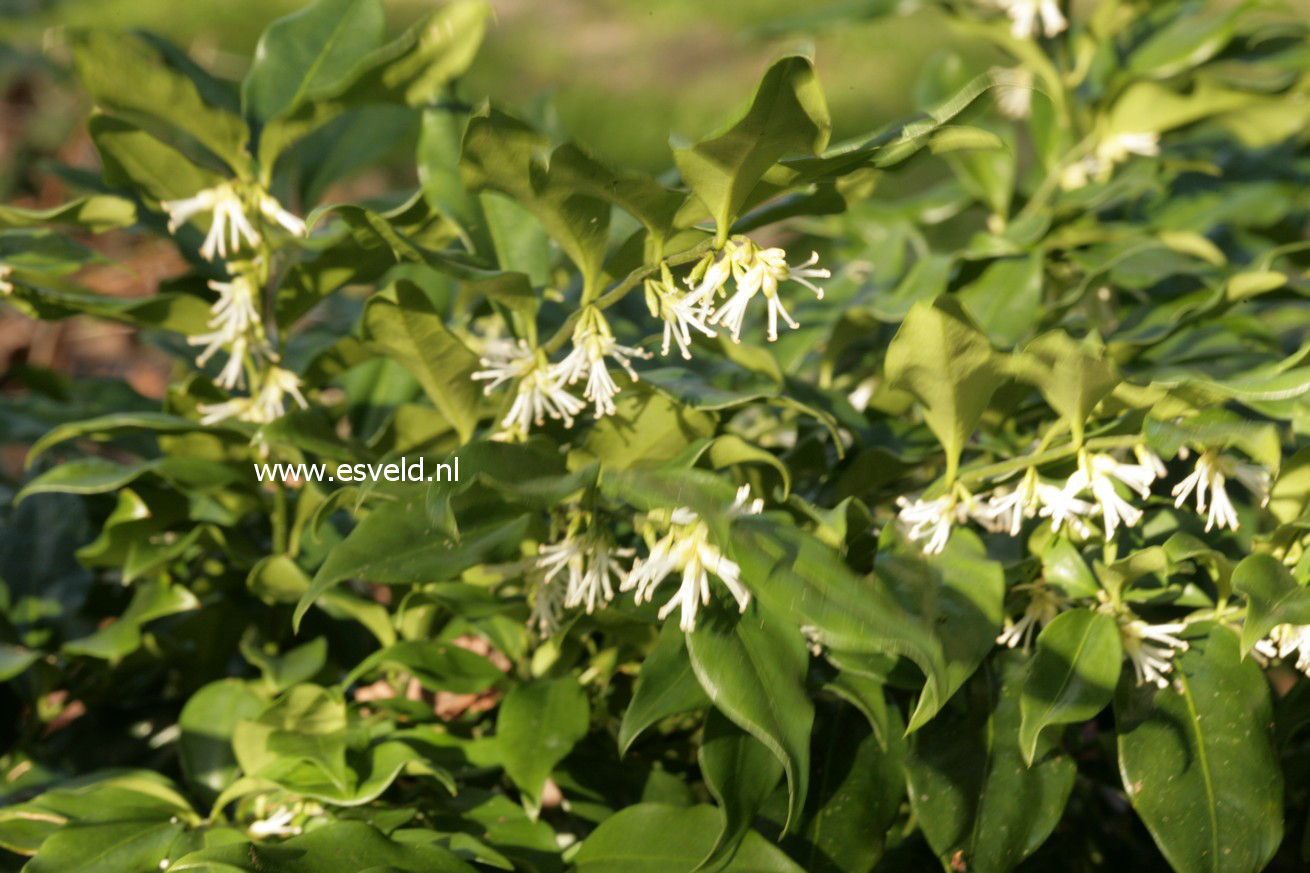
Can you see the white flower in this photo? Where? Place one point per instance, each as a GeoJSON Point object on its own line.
{"type": "Point", "coordinates": [589, 558]}
{"type": "Point", "coordinates": [1151, 648]}
{"type": "Point", "coordinates": [1026, 13]}
{"type": "Point", "coordinates": [273, 211]}
{"type": "Point", "coordinates": [1117, 148]}
{"type": "Point", "coordinates": [1286, 640]}
{"type": "Point", "coordinates": [679, 312]}
{"type": "Point", "coordinates": [229, 224]}
{"type": "Point", "coordinates": [547, 600]}
{"type": "Point", "coordinates": [593, 341]}
{"type": "Point", "coordinates": [932, 519]}
{"type": "Point", "coordinates": [234, 316]}
{"type": "Point", "coordinates": [1006, 509]}
{"type": "Point", "coordinates": [1097, 473]}
{"type": "Point", "coordinates": [755, 269]}
{"type": "Point", "coordinates": [1211, 474]}
{"type": "Point", "coordinates": [539, 393]}
{"type": "Point", "coordinates": [1044, 604]}
{"type": "Point", "coordinates": [276, 825]}
{"type": "Point", "coordinates": [1014, 96]}
{"type": "Point", "coordinates": [686, 549]}
{"type": "Point", "coordinates": [1110, 151]}
{"type": "Point", "coordinates": [266, 405]}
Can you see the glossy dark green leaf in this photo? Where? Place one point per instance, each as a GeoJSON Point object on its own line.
{"type": "Point", "coordinates": [1072, 676]}
{"type": "Point", "coordinates": [1273, 597]}
{"type": "Point", "coordinates": [753, 668]}
{"type": "Point", "coordinates": [96, 213]}
{"type": "Point", "coordinates": [1198, 761]}
{"type": "Point", "coordinates": [207, 721]}
{"type": "Point", "coordinates": [339, 847]}
{"type": "Point", "coordinates": [796, 576]}
{"type": "Point", "coordinates": [397, 543]}
{"type": "Point", "coordinates": [311, 50]}
{"type": "Point", "coordinates": [666, 685]}
{"type": "Point", "coordinates": [538, 724]}
{"type": "Point", "coordinates": [960, 593]}
{"type": "Point", "coordinates": [410, 70]}
{"type": "Point", "coordinates": [127, 78]}
{"type": "Point", "coordinates": [437, 665]}
{"type": "Point", "coordinates": [638, 840]}
{"type": "Point", "coordinates": [1006, 299]}
{"type": "Point", "coordinates": [855, 796]}
{"type": "Point", "coordinates": [942, 358]}
{"type": "Point", "coordinates": [503, 154]}
{"type": "Point", "coordinates": [980, 806]}
{"type": "Point", "coordinates": [741, 773]}
{"type": "Point", "coordinates": [413, 334]}
{"type": "Point", "coordinates": [1071, 376]}
{"type": "Point", "coordinates": [788, 116]}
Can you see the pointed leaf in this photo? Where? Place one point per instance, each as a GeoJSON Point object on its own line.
{"type": "Point", "coordinates": [1073, 675]}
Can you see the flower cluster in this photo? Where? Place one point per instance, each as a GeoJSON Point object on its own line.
{"type": "Point", "coordinates": [704, 306]}
{"type": "Point", "coordinates": [678, 542]}
{"type": "Point", "coordinates": [240, 215]}
{"type": "Point", "coordinates": [1098, 485]}
{"type": "Point", "coordinates": [1027, 15]}
{"type": "Point", "coordinates": [229, 206]}
{"type": "Point", "coordinates": [1116, 149]}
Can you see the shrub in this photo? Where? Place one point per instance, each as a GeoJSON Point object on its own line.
{"type": "Point", "coordinates": [977, 534]}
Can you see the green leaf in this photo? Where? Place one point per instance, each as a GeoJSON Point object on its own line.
{"type": "Point", "coordinates": [788, 116]}
{"type": "Point", "coordinates": [96, 213]}
{"type": "Point", "coordinates": [1073, 675]}
{"type": "Point", "coordinates": [412, 333]}
{"type": "Point", "coordinates": [538, 724]}
{"type": "Point", "coordinates": [503, 154]}
{"type": "Point", "coordinates": [129, 79]}
{"type": "Point", "coordinates": [1007, 298]}
{"type": "Point", "coordinates": [408, 71]}
{"type": "Point", "coordinates": [397, 543]}
{"type": "Point", "coordinates": [150, 600]}
{"type": "Point", "coordinates": [666, 685]}
{"type": "Point", "coordinates": [654, 205]}
{"type": "Point", "coordinates": [979, 805]}
{"type": "Point", "coordinates": [741, 773]}
{"type": "Point", "coordinates": [1072, 376]}
{"type": "Point", "coordinates": [1198, 761]}
{"type": "Point", "coordinates": [281, 671]}
{"type": "Point", "coordinates": [105, 426]}
{"type": "Point", "coordinates": [1273, 597]}
{"type": "Point", "coordinates": [14, 661]}
{"type": "Point", "coordinates": [794, 575]}
{"type": "Point", "coordinates": [753, 669]}
{"type": "Point", "coordinates": [940, 357]}
{"type": "Point", "coordinates": [133, 158]}
{"type": "Point", "coordinates": [437, 666]}
{"type": "Point", "coordinates": [310, 51]}
{"type": "Point", "coordinates": [90, 848]}
{"type": "Point", "coordinates": [856, 795]}
{"type": "Point", "coordinates": [654, 838]}
{"type": "Point", "coordinates": [207, 722]}
{"type": "Point", "coordinates": [1186, 42]}
{"type": "Point", "coordinates": [647, 428]}
{"type": "Point", "coordinates": [960, 593]}
{"type": "Point", "coordinates": [337, 847]}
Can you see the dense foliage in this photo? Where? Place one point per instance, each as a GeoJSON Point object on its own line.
{"type": "Point", "coordinates": [978, 535]}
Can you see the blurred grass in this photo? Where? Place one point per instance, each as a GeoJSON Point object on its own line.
{"type": "Point", "coordinates": [620, 75]}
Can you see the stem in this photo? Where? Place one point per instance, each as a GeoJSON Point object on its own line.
{"type": "Point", "coordinates": [619, 291]}
{"type": "Point", "coordinates": [279, 519]}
